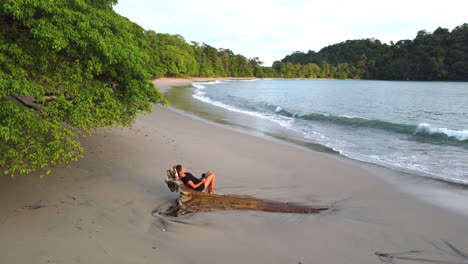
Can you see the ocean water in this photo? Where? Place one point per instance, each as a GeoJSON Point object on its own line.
{"type": "Point", "coordinates": [415, 127]}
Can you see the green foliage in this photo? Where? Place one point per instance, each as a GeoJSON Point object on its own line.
{"type": "Point", "coordinates": [91, 61]}
{"type": "Point", "coordinates": [171, 55]}
{"type": "Point", "coordinates": [30, 141]}
{"type": "Point", "coordinates": [223, 62]}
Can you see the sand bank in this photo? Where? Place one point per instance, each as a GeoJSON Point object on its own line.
{"type": "Point", "coordinates": [99, 210]}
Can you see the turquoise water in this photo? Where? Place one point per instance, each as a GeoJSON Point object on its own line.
{"type": "Point", "coordinates": [415, 127]}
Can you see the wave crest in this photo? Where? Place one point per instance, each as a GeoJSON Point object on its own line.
{"type": "Point", "coordinates": [424, 128]}
{"type": "Point", "coordinates": [277, 113]}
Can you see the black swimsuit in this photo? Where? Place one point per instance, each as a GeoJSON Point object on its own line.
{"type": "Point", "coordinates": [189, 177]}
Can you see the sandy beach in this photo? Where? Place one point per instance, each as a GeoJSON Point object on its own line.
{"type": "Point", "coordinates": [100, 209]}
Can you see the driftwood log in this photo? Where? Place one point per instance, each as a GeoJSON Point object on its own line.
{"type": "Point", "coordinates": [191, 201]}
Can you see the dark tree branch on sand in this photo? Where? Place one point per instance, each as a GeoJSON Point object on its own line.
{"type": "Point", "coordinates": [451, 254]}
{"type": "Point", "coordinates": [191, 201]}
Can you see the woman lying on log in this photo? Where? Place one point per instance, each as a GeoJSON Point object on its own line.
{"type": "Point", "coordinates": [207, 181]}
{"type": "Point", "coordinates": [192, 199]}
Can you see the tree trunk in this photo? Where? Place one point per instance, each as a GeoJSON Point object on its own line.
{"type": "Point", "coordinates": [193, 201]}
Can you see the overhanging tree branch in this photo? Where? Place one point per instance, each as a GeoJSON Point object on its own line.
{"type": "Point", "coordinates": [30, 102]}
{"type": "Point", "coordinates": [27, 101]}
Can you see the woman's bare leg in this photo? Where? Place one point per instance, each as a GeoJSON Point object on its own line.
{"type": "Point", "coordinates": [210, 182]}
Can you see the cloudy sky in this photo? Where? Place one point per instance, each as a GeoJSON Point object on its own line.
{"type": "Point", "coordinates": [272, 29]}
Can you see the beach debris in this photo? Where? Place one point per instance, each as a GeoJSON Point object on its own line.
{"type": "Point", "coordinates": [33, 207]}
{"type": "Point", "coordinates": [191, 201]}
{"type": "Point", "coordinates": [448, 251]}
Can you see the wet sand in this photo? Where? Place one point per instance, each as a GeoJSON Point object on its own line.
{"type": "Point", "coordinates": [99, 210]}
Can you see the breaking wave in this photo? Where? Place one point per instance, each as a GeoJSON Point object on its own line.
{"type": "Point", "coordinates": [280, 115]}
{"type": "Point", "coordinates": [422, 129]}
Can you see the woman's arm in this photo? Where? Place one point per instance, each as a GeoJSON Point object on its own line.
{"type": "Point", "coordinates": [194, 186]}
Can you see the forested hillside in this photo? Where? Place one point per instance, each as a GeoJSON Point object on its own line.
{"type": "Point", "coordinates": [172, 56]}
{"type": "Point", "coordinates": [441, 55]}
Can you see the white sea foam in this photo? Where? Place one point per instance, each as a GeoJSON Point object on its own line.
{"type": "Point", "coordinates": [200, 95]}
{"type": "Point", "coordinates": [410, 164]}
{"type": "Point", "coordinates": [460, 135]}
{"type": "Point", "coordinates": [240, 80]}
{"type": "Point", "coordinates": [347, 116]}
{"type": "Point", "coordinates": [199, 85]}
{"type": "Point", "coordinates": [278, 109]}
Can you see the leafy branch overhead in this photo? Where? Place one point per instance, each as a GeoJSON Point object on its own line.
{"type": "Point", "coordinates": [78, 65]}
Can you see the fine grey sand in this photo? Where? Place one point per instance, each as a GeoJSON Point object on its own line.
{"type": "Point", "coordinates": [100, 209]}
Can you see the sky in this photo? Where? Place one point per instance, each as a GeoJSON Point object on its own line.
{"type": "Point", "coordinates": [272, 29]}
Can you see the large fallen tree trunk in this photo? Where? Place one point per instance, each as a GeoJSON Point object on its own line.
{"type": "Point", "coordinates": [192, 201]}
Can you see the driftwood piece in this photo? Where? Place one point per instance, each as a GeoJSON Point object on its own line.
{"type": "Point", "coordinates": [192, 201]}
{"type": "Point", "coordinates": [33, 207]}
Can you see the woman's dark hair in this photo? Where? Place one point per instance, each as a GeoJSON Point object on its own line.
{"type": "Point", "coordinates": [178, 168]}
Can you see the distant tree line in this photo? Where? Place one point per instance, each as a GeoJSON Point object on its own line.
{"type": "Point", "coordinates": [441, 55]}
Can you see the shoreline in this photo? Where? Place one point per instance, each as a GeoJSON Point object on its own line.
{"type": "Point", "coordinates": [99, 210]}
{"type": "Point", "coordinates": [404, 181]}
{"type": "Point", "coordinates": [202, 79]}
{"type": "Point", "coordinates": [168, 82]}
{"type": "Point", "coordinates": [391, 173]}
